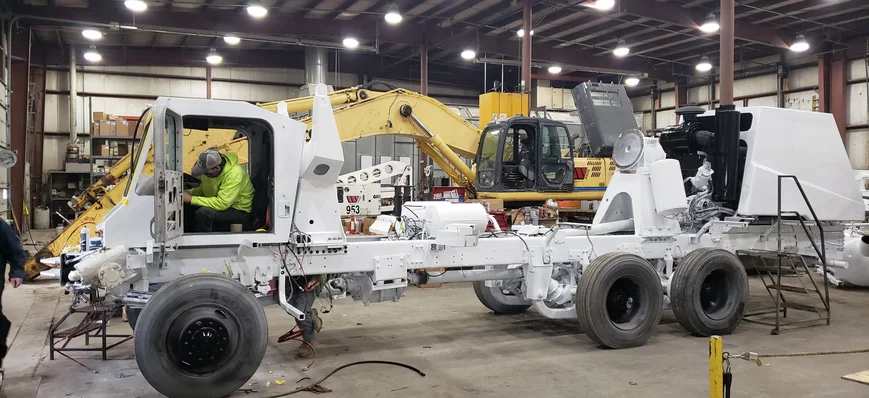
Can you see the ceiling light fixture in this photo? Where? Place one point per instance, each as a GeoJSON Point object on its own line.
{"type": "Point", "coordinates": [521, 32]}
{"type": "Point", "coordinates": [136, 5]}
{"type": "Point", "coordinates": [231, 39]}
{"type": "Point", "coordinates": [632, 81]}
{"type": "Point", "coordinates": [604, 4]}
{"type": "Point", "coordinates": [393, 17]}
{"type": "Point", "coordinates": [621, 49]}
{"type": "Point", "coordinates": [710, 25]}
{"type": "Point", "coordinates": [554, 69]}
{"type": "Point", "coordinates": [704, 65]}
{"type": "Point", "coordinates": [800, 44]}
{"type": "Point", "coordinates": [213, 57]}
{"type": "Point", "coordinates": [92, 34]}
{"type": "Point", "coordinates": [92, 55]}
{"type": "Point", "coordinates": [469, 54]}
{"type": "Point", "coordinates": [256, 10]}
{"type": "Point", "coordinates": [351, 42]}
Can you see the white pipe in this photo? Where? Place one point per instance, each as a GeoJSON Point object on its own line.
{"type": "Point", "coordinates": [495, 226]}
{"type": "Point", "coordinates": [837, 264]}
{"type": "Point", "coordinates": [476, 275]}
{"type": "Point", "coordinates": [600, 229]}
{"type": "Point", "coordinates": [554, 313]}
{"type": "Point", "coordinates": [282, 298]}
{"type": "Point", "coordinates": [73, 95]}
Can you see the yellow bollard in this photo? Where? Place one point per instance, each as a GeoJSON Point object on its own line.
{"type": "Point", "coordinates": [716, 371]}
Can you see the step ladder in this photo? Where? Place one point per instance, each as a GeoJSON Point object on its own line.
{"type": "Point", "coordinates": [804, 294]}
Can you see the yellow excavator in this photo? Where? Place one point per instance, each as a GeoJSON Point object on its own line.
{"type": "Point", "coordinates": [520, 160]}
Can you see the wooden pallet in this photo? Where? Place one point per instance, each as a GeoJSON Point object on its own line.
{"type": "Point", "coordinates": [859, 377]}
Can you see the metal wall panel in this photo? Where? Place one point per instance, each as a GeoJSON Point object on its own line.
{"type": "Point", "coordinates": [856, 103]}
{"type": "Point", "coordinates": [802, 78]}
{"type": "Point", "coordinates": [857, 146]}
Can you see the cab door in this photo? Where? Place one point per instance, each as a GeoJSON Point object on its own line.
{"type": "Point", "coordinates": [554, 158]}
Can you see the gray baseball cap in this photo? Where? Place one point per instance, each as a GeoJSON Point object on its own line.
{"type": "Point", "coordinates": [208, 159]}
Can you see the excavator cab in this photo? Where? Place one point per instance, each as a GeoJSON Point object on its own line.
{"type": "Point", "coordinates": [525, 154]}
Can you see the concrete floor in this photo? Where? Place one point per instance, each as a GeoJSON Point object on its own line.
{"type": "Point", "coordinates": [465, 351]}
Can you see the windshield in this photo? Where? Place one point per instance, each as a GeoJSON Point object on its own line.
{"type": "Point", "coordinates": [488, 156]}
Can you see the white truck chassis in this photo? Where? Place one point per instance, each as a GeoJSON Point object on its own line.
{"type": "Point", "coordinates": [204, 333]}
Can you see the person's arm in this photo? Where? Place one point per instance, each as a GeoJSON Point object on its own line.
{"type": "Point", "coordinates": [229, 191]}
{"type": "Point", "coordinates": [195, 191]}
{"type": "Point", "coordinates": [12, 251]}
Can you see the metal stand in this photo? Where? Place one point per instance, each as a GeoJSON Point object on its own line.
{"type": "Point", "coordinates": [97, 314]}
{"type": "Point", "coordinates": [771, 276]}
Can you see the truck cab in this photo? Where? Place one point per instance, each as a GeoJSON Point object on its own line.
{"type": "Point", "coordinates": [525, 154]}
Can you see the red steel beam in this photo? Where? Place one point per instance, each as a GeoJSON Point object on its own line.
{"type": "Point", "coordinates": [18, 122]}
{"type": "Point", "coordinates": [526, 52]}
{"type": "Point", "coordinates": [838, 91]}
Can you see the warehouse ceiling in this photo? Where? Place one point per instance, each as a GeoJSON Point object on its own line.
{"type": "Point", "coordinates": [663, 35]}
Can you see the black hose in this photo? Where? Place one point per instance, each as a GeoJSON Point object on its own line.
{"type": "Point", "coordinates": [315, 386]}
{"type": "Point", "coordinates": [370, 85]}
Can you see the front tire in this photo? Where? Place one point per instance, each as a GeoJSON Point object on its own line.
{"type": "Point", "coordinates": [201, 335]}
{"type": "Point", "coordinates": [498, 301]}
{"type": "Point", "coordinates": [708, 291]}
{"type": "Point", "coordinates": [619, 300]}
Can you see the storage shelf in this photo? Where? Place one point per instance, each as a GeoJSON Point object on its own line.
{"type": "Point", "coordinates": [106, 158]}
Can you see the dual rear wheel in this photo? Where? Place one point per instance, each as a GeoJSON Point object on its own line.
{"type": "Point", "coordinates": [619, 299]}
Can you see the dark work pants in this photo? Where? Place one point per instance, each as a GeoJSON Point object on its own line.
{"type": "Point", "coordinates": [206, 219]}
{"type": "Point", "coordinates": [304, 300]}
{"type": "Point", "coordinates": [5, 325]}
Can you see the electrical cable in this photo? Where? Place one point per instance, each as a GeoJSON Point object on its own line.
{"type": "Point", "coordinates": [316, 388]}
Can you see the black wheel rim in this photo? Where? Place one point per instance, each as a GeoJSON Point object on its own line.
{"type": "Point", "coordinates": [627, 303]}
{"type": "Point", "coordinates": [202, 339]}
{"type": "Point", "coordinates": [716, 299]}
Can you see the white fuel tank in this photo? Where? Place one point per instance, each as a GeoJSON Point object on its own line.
{"type": "Point", "coordinates": [856, 255]}
{"type": "Point", "coordinates": [473, 214]}
{"type": "Point", "coordinates": [667, 187]}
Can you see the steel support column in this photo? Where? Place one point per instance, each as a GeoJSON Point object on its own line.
{"type": "Point", "coordinates": [838, 91]}
{"type": "Point", "coordinates": [423, 89]}
{"type": "Point", "coordinates": [681, 95]}
{"type": "Point", "coordinates": [526, 51]}
{"type": "Point", "coordinates": [18, 122]}
{"type": "Point", "coordinates": [726, 52]}
{"type": "Point", "coordinates": [208, 82]}
{"type": "Point", "coordinates": [824, 83]}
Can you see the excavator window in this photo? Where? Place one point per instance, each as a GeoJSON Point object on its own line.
{"type": "Point", "coordinates": [487, 157]}
{"type": "Point", "coordinates": [556, 158]}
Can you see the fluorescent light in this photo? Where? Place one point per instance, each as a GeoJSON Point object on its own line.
{"type": "Point", "coordinates": [554, 69]}
{"type": "Point", "coordinates": [604, 4]}
{"type": "Point", "coordinates": [213, 57]}
{"type": "Point", "coordinates": [710, 25]}
{"type": "Point", "coordinates": [621, 49]}
{"type": "Point", "coordinates": [800, 44]}
{"type": "Point", "coordinates": [704, 65]}
{"type": "Point", "coordinates": [632, 81]}
{"type": "Point", "coordinates": [256, 10]}
{"type": "Point", "coordinates": [521, 32]}
{"type": "Point", "coordinates": [231, 39]}
{"type": "Point", "coordinates": [92, 34]}
{"type": "Point", "coordinates": [469, 54]}
{"type": "Point", "coordinates": [351, 42]}
{"type": "Point", "coordinates": [92, 55]}
{"type": "Point", "coordinates": [393, 17]}
{"type": "Point", "coordinates": [128, 27]}
{"type": "Point", "coordinates": [136, 5]}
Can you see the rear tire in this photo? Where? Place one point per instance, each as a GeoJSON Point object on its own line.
{"type": "Point", "coordinates": [499, 302]}
{"type": "Point", "coordinates": [201, 335]}
{"type": "Point", "coordinates": [619, 300]}
{"type": "Point", "coordinates": [708, 291]}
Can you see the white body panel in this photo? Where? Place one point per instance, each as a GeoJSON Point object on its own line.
{"type": "Point", "coordinates": [805, 144]}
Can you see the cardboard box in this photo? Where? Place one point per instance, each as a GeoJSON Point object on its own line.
{"type": "Point", "coordinates": [490, 204]}
{"type": "Point", "coordinates": [111, 117]}
{"type": "Point", "coordinates": [106, 128]}
{"type": "Point", "coordinates": [122, 128]}
{"type": "Point", "coordinates": [104, 150]}
{"type": "Point", "coordinates": [366, 225]}
{"type": "Point", "coordinates": [98, 116]}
